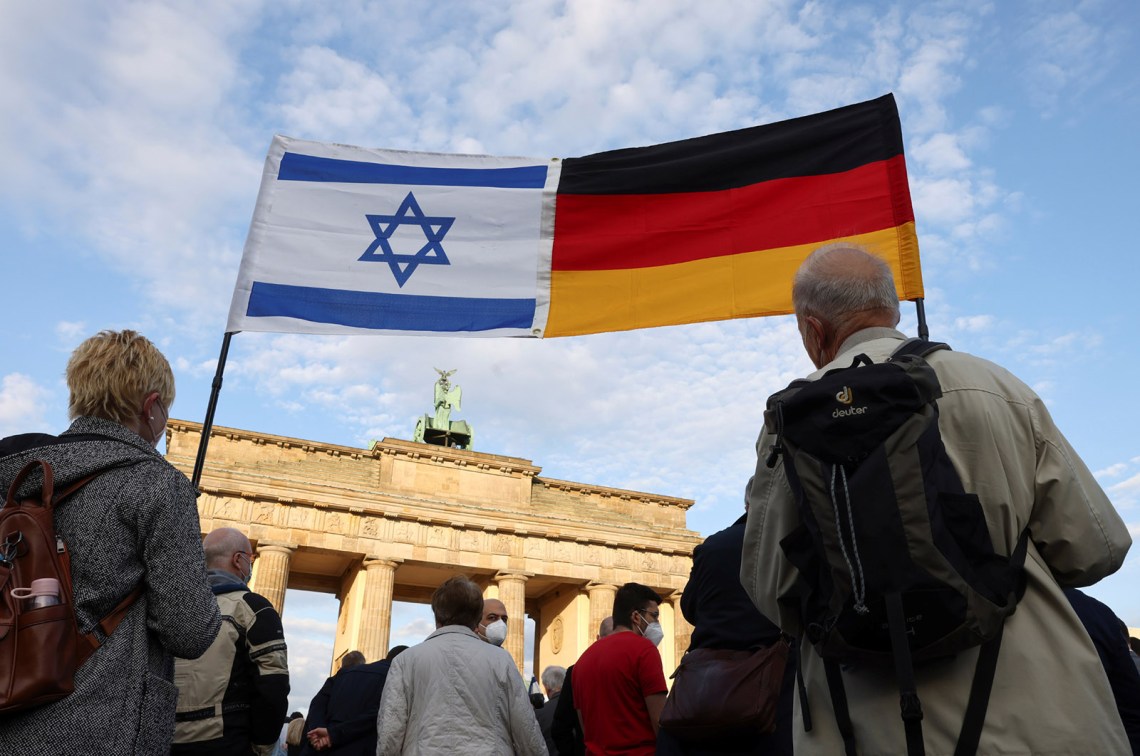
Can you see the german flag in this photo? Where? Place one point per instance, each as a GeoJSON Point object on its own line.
{"type": "Point", "coordinates": [714, 228]}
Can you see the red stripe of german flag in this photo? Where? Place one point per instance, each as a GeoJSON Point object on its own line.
{"type": "Point", "coordinates": [713, 228]}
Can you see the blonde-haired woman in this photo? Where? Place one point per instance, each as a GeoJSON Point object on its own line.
{"type": "Point", "coordinates": [135, 524]}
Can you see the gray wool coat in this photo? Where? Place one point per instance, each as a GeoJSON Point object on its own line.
{"type": "Point", "coordinates": [137, 522]}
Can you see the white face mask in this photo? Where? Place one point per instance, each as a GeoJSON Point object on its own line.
{"type": "Point", "coordinates": [496, 632]}
{"type": "Point", "coordinates": [653, 633]}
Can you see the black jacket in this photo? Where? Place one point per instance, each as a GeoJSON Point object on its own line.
{"type": "Point", "coordinates": [565, 731]}
{"type": "Point", "coordinates": [714, 601]}
{"type": "Point", "coordinates": [347, 705]}
{"type": "Point", "coordinates": [1109, 636]}
{"type": "Point", "coordinates": [723, 617]}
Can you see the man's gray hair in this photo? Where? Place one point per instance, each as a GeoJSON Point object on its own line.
{"type": "Point", "coordinates": [840, 279]}
{"type": "Point", "coordinates": [352, 659]}
{"type": "Point", "coordinates": [553, 677]}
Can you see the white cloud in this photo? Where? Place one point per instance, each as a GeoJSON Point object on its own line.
{"type": "Point", "coordinates": [1111, 471]}
{"type": "Point", "coordinates": [1066, 53]}
{"type": "Point", "coordinates": [121, 141]}
{"type": "Point", "coordinates": [329, 97]}
{"type": "Point", "coordinates": [1126, 493]}
{"type": "Point", "coordinates": [411, 633]}
{"type": "Point", "coordinates": [310, 626]}
{"type": "Point", "coordinates": [23, 405]}
{"type": "Point", "coordinates": [309, 666]}
{"type": "Point", "coordinates": [71, 331]}
{"type": "Point", "coordinates": [941, 153]}
{"type": "Point", "coordinates": [943, 201]}
{"type": "Point", "coordinates": [974, 323]}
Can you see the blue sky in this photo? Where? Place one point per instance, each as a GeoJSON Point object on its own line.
{"type": "Point", "coordinates": [134, 134]}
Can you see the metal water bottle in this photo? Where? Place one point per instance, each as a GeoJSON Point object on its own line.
{"type": "Point", "coordinates": [43, 592]}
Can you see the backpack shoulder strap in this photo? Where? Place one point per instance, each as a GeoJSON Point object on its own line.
{"type": "Point", "coordinates": [917, 347]}
{"type": "Point", "coordinates": [89, 642]}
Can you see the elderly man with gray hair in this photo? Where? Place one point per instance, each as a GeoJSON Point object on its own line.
{"type": "Point", "coordinates": [1050, 693]}
{"type": "Point", "coordinates": [552, 679]}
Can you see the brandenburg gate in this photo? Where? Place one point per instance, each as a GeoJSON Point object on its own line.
{"type": "Point", "coordinates": [391, 523]}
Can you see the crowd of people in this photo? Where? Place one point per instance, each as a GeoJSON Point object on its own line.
{"type": "Point", "coordinates": [198, 664]}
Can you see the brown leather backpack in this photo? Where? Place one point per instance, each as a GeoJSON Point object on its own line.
{"type": "Point", "coordinates": [40, 648]}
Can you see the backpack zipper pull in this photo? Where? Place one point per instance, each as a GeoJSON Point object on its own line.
{"type": "Point", "coordinates": [59, 547]}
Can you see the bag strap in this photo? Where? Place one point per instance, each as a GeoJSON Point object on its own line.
{"type": "Point", "coordinates": [839, 705]}
{"type": "Point", "coordinates": [805, 707]}
{"type": "Point", "coordinates": [917, 348]}
{"type": "Point", "coordinates": [910, 706]}
{"type": "Point", "coordinates": [90, 642]}
{"type": "Point", "coordinates": [971, 733]}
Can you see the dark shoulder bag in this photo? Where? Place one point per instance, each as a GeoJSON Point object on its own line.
{"type": "Point", "coordinates": [717, 692]}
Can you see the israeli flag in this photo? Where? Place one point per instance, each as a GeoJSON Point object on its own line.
{"type": "Point", "coordinates": [352, 240]}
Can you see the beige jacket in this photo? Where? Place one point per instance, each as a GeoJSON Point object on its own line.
{"type": "Point", "coordinates": [1050, 693]}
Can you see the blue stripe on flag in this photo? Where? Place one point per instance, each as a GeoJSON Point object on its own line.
{"type": "Point", "coordinates": [295, 167]}
{"type": "Point", "coordinates": [394, 312]}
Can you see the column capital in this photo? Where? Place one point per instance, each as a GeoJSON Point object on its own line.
{"type": "Point", "coordinates": [278, 546]}
{"type": "Point", "coordinates": [520, 576]}
{"type": "Point", "coordinates": [372, 562]}
{"type": "Point", "coordinates": [675, 596]}
{"type": "Point", "coordinates": [595, 585]}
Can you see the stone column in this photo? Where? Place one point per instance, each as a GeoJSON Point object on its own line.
{"type": "Point", "coordinates": [601, 604]}
{"type": "Point", "coordinates": [376, 613]}
{"type": "Point", "coordinates": [512, 592]}
{"type": "Point", "coordinates": [682, 630]}
{"type": "Point", "coordinates": [273, 572]}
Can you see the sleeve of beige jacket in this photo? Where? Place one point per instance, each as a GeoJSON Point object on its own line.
{"type": "Point", "coordinates": [764, 572]}
{"type": "Point", "coordinates": [526, 735]}
{"type": "Point", "coordinates": [1074, 525]}
{"type": "Point", "coordinates": [392, 720]}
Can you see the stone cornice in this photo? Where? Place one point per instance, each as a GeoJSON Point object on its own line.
{"type": "Point", "coordinates": [458, 457]}
{"type": "Point", "coordinates": [236, 434]}
{"type": "Point", "coordinates": [428, 453]}
{"type": "Point", "coordinates": [586, 489]}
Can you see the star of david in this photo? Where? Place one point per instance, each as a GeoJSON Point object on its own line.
{"type": "Point", "coordinates": [403, 265]}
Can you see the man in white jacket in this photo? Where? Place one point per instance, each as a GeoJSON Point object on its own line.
{"type": "Point", "coordinates": [454, 693]}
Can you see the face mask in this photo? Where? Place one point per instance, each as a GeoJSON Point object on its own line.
{"type": "Point", "coordinates": [246, 576]}
{"type": "Point", "coordinates": [496, 632]}
{"type": "Point", "coordinates": [653, 633]}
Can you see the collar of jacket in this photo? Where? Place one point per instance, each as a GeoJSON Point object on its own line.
{"type": "Point", "coordinates": [850, 346]}
{"type": "Point", "coordinates": [72, 461]}
{"type": "Point", "coordinates": [456, 630]}
{"type": "Point", "coordinates": [221, 581]}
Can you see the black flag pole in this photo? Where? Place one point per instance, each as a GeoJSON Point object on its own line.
{"type": "Point", "coordinates": [208, 423]}
{"type": "Point", "coordinates": [923, 331]}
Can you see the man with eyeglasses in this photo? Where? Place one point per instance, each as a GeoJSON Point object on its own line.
{"type": "Point", "coordinates": [234, 698]}
{"type": "Point", "coordinates": [619, 685]}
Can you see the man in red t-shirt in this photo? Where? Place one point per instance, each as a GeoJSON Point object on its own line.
{"type": "Point", "coordinates": [619, 686]}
